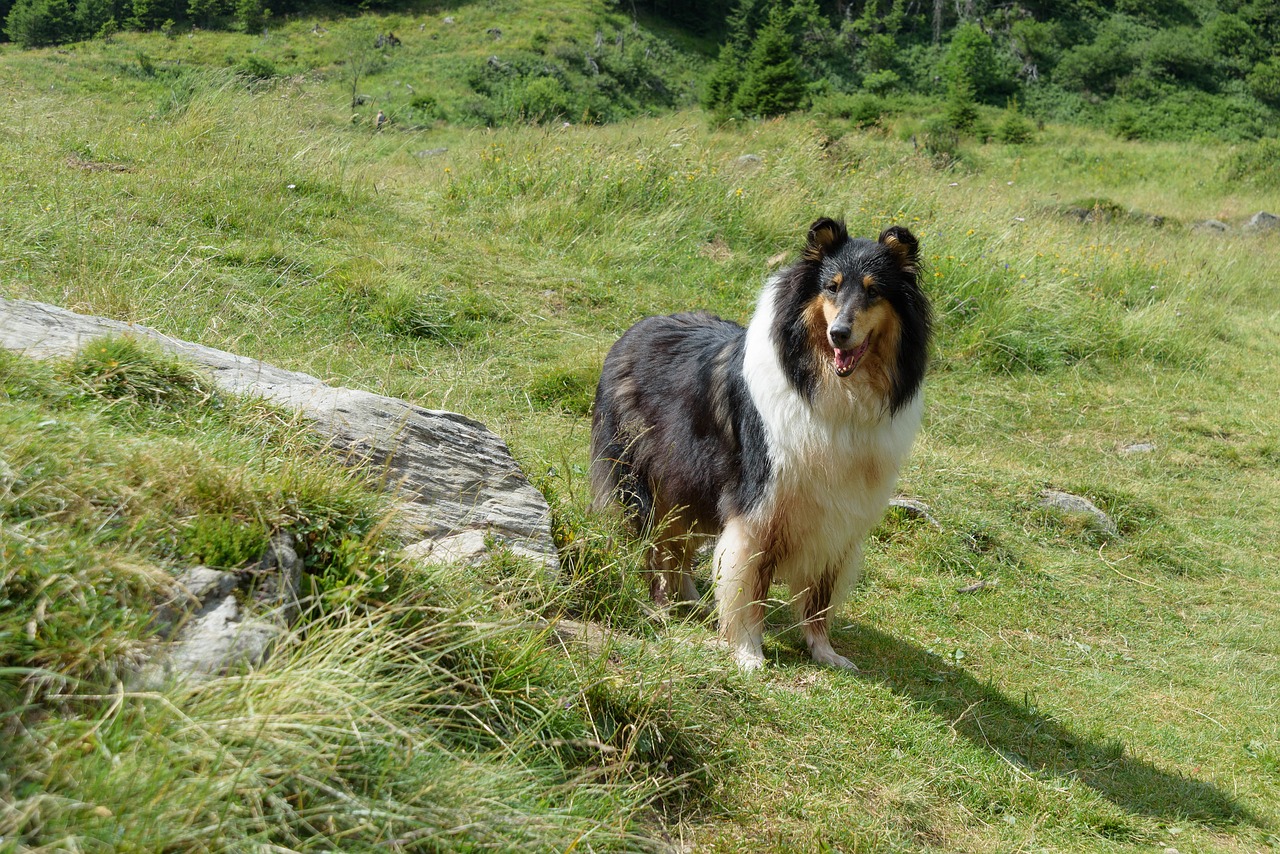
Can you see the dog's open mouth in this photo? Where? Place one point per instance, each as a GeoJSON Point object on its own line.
{"type": "Point", "coordinates": [845, 361]}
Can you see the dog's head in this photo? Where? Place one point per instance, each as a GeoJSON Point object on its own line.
{"type": "Point", "coordinates": [860, 309]}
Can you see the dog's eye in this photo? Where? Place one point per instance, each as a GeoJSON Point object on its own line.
{"type": "Point", "coordinates": [833, 285]}
{"type": "Point", "coordinates": [873, 292]}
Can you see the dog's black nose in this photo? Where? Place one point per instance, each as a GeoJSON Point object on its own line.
{"type": "Point", "coordinates": [840, 333]}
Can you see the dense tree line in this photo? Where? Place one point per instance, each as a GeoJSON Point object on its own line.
{"type": "Point", "coordinates": [38, 23]}
{"type": "Point", "coordinates": [1216, 61]}
{"type": "Point", "coordinates": [1147, 67]}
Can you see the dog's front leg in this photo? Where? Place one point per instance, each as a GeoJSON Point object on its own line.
{"type": "Point", "coordinates": [742, 583]}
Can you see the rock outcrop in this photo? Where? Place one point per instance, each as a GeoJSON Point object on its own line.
{"type": "Point", "coordinates": [456, 480]}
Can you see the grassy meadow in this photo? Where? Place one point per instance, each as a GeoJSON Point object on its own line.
{"type": "Point", "coordinates": [1099, 693]}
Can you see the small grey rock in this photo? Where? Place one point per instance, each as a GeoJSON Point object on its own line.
{"type": "Point", "coordinates": [914, 509]}
{"type": "Point", "coordinates": [1068, 503]}
{"type": "Point", "coordinates": [212, 644]}
{"type": "Point", "coordinates": [1137, 448]}
{"type": "Point", "coordinates": [430, 152]}
{"type": "Point", "coordinates": [749, 162]}
{"type": "Point", "coordinates": [202, 583]}
{"type": "Point", "coordinates": [1211, 225]}
{"type": "Point", "coordinates": [464, 547]}
{"type": "Point", "coordinates": [1262, 221]}
{"type": "Point", "coordinates": [280, 577]}
{"type": "Point", "coordinates": [196, 591]}
{"type": "Point", "coordinates": [1077, 213]}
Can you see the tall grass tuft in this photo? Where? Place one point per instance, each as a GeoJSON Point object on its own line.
{"type": "Point", "coordinates": [430, 724]}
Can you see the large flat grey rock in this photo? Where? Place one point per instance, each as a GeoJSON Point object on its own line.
{"type": "Point", "coordinates": [452, 474]}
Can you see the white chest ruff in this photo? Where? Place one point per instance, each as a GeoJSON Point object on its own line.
{"type": "Point", "coordinates": [834, 464]}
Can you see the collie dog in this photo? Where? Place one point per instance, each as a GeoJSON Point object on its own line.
{"type": "Point", "coordinates": [784, 438]}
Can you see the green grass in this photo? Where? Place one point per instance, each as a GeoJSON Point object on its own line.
{"type": "Point", "coordinates": [1107, 693]}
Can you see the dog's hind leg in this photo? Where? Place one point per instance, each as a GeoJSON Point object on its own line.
{"type": "Point", "coordinates": [670, 561]}
{"type": "Point", "coordinates": [659, 570]}
{"type": "Point", "coordinates": [742, 583]}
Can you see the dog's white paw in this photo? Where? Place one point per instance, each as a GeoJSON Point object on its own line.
{"type": "Point", "coordinates": [748, 659]}
{"type": "Point", "coordinates": [831, 658]}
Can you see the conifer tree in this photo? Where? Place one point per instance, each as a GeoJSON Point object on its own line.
{"type": "Point", "coordinates": [772, 81]}
{"type": "Point", "coordinates": [726, 75]}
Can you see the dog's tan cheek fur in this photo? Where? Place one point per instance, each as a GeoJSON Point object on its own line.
{"type": "Point", "coordinates": [882, 322]}
{"type": "Point", "coordinates": [818, 315]}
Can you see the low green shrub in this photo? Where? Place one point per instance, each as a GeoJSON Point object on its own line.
{"type": "Point", "coordinates": [222, 542]}
{"type": "Point", "coordinates": [1014, 128]}
{"type": "Point", "coordinates": [861, 109]}
{"type": "Point", "coordinates": [257, 67]}
{"type": "Point", "coordinates": [570, 390]}
{"type": "Point", "coordinates": [1255, 163]}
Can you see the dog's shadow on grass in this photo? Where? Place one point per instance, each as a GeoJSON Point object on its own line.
{"type": "Point", "coordinates": [1029, 739]}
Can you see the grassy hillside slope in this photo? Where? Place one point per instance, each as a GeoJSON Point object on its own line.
{"type": "Point", "coordinates": [1103, 693]}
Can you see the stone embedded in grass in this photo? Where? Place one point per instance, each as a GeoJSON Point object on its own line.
{"type": "Point", "coordinates": [1137, 448]}
{"type": "Point", "coordinates": [1262, 221]}
{"type": "Point", "coordinates": [450, 472]}
{"type": "Point", "coordinates": [1065, 502]}
{"type": "Point", "coordinates": [280, 577]}
{"type": "Point", "coordinates": [464, 547]}
{"type": "Point", "coordinates": [913, 509]}
{"type": "Point", "coordinates": [211, 628]}
{"type": "Point", "coordinates": [1216, 226]}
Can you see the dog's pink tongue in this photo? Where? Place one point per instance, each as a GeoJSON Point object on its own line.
{"type": "Point", "coordinates": [846, 360]}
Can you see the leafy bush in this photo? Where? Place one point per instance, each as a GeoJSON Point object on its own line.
{"type": "Point", "coordinates": [1179, 113]}
{"type": "Point", "coordinates": [960, 110]}
{"type": "Point", "coordinates": [1037, 43]}
{"type": "Point", "coordinates": [547, 99]}
{"type": "Point", "coordinates": [941, 141]}
{"type": "Point", "coordinates": [1125, 122]}
{"type": "Point", "coordinates": [1097, 66]}
{"type": "Point", "coordinates": [1178, 55]}
{"type": "Point", "coordinates": [861, 110]}
{"type": "Point", "coordinates": [1257, 163]}
{"type": "Point", "coordinates": [252, 15]}
{"type": "Point", "coordinates": [1234, 42]}
{"type": "Point", "coordinates": [1264, 82]}
{"type": "Point", "coordinates": [882, 82]}
{"type": "Point", "coordinates": [257, 68]}
{"type": "Point", "coordinates": [972, 56]}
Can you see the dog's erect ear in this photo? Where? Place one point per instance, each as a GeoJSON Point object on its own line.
{"type": "Point", "coordinates": [825, 237]}
{"type": "Point", "coordinates": [904, 246]}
